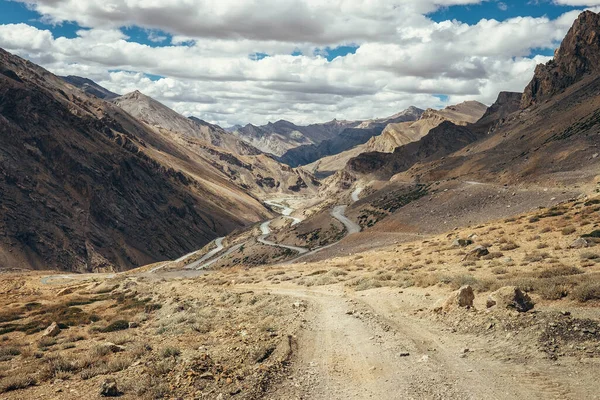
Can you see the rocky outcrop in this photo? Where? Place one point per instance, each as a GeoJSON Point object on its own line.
{"type": "Point", "coordinates": [510, 297]}
{"type": "Point", "coordinates": [578, 55]}
{"type": "Point", "coordinates": [506, 104]}
{"type": "Point", "coordinates": [462, 298]}
{"type": "Point", "coordinates": [52, 330]}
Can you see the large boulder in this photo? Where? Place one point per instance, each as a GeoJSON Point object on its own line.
{"type": "Point", "coordinates": [580, 243]}
{"type": "Point", "coordinates": [477, 253]}
{"type": "Point", "coordinates": [109, 388]}
{"type": "Point", "coordinates": [510, 297]}
{"type": "Point", "coordinates": [462, 242]}
{"type": "Point", "coordinates": [462, 298]}
{"type": "Point", "coordinates": [52, 330]}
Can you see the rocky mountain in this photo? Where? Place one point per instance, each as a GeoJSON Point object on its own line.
{"type": "Point", "coordinates": [410, 114]}
{"type": "Point", "coordinates": [86, 187]}
{"type": "Point", "coordinates": [90, 87]}
{"type": "Point", "coordinates": [401, 133]}
{"type": "Point", "coordinates": [506, 104]}
{"type": "Point", "coordinates": [451, 132]}
{"type": "Point", "coordinates": [577, 56]}
{"type": "Point", "coordinates": [278, 137]}
{"type": "Point", "coordinates": [156, 114]}
{"type": "Point", "coordinates": [347, 139]}
{"type": "Point", "coordinates": [273, 141]}
{"type": "Point", "coordinates": [238, 161]}
{"type": "Point", "coordinates": [555, 141]}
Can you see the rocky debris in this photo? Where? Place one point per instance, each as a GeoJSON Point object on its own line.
{"type": "Point", "coordinates": [579, 243]}
{"type": "Point", "coordinates": [113, 348]}
{"type": "Point", "coordinates": [300, 305]}
{"type": "Point", "coordinates": [462, 298]}
{"type": "Point", "coordinates": [109, 388]}
{"type": "Point", "coordinates": [578, 55]}
{"type": "Point", "coordinates": [462, 242]}
{"type": "Point", "coordinates": [52, 330]}
{"type": "Point", "coordinates": [133, 324]}
{"type": "Point", "coordinates": [510, 297]}
{"type": "Point", "coordinates": [65, 291]}
{"type": "Point", "coordinates": [477, 253]}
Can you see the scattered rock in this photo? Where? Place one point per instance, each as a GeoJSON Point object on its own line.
{"type": "Point", "coordinates": [510, 297]}
{"type": "Point", "coordinates": [113, 348]}
{"type": "Point", "coordinates": [477, 253]}
{"type": "Point", "coordinates": [579, 243]}
{"type": "Point", "coordinates": [52, 330]}
{"type": "Point", "coordinates": [109, 388]}
{"type": "Point", "coordinates": [463, 297]}
{"type": "Point", "coordinates": [133, 324]}
{"type": "Point", "coordinates": [299, 305]}
{"type": "Point", "coordinates": [462, 242]}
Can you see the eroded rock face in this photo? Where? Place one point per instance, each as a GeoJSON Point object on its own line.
{"type": "Point", "coordinates": [578, 55]}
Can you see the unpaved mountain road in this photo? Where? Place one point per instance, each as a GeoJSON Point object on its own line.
{"type": "Point", "coordinates": [367, 346]}
{"type": "Point", "coordinates": [209, 255]}
{"type": "Point", "coordinates": [266, 231]}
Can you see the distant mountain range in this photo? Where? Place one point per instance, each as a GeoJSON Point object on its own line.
{"type": "Point", "coordinates": [401, 133]}
{"type": "Point", "coordinates": [346, 139]}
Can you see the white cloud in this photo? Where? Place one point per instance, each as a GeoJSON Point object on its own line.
{"type": "Point", "coordinates": [404, 58]}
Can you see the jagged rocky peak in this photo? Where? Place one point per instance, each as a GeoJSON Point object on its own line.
{"type": "Point", "coordinates": [578, 55]}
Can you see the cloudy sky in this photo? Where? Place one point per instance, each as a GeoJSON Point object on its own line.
{"type": "Point", "coordinates": [240, 61]}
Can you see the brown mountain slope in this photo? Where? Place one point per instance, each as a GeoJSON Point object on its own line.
{"type": "Point", "coordinates": [402, 133]}
{"type": "Point", "coordinates": [156, 114]}
{"type": "Point", "coordinates": [83, 186]}
{"type": "Point", "coordinates": [236, 161]}
{"type": "Point", "coordinates": [557, 138]}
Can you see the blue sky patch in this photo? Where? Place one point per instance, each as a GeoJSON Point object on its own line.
{"type": "Point", "coordinates": [332, 53]}
{"type": "Point", "coordinates": [13, 13]}
{"type": "Point", "coordinates": [500, 10]}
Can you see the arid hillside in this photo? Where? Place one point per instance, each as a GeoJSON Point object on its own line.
{"type": "Point", "coordinates": [401, 133]}
{"type": "Point", "coordinates": [86, 187]}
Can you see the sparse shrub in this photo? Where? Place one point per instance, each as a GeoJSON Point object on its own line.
{"type": "Point", "coordinates": [7, 353]}
{"type": "Point", "coordinates": [553, 291]}
{"type": "Point", "coordinates": [16, 382]}
{"type": "Point", "coordinates": [118, 325]}
{"type": "Point", "coordinates": [170, 352]}
{"type": "Point", "coordinates": [46, 342]}
{"type": "Point", "coordinates": [587, 291]}
{"type": "Point", "coordinates": [594, 234]}
{"type": "Point", "coordinates": [493, 255]}
{"type": "Point", "coordinates": [461, 280]}
{"type": "Point", "coordinates": [541, 246]}
{"type": "Point", "coordinates": [499, 271]}
{"type": "Point", "coordinates": [562, 270]}
{"type": "Point", "coordinates": [588, 255]}
{"type": "Point", "coordinates": [568, 230]}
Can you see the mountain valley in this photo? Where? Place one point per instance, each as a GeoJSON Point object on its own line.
{"type": "Point", "coordinates": [447, 253]}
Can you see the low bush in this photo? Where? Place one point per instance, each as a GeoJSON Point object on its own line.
{"type": "Point", "coordinates": [587, 291]}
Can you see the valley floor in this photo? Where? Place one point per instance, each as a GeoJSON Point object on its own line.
{"type": "Point", "coordinates": [358, 326]}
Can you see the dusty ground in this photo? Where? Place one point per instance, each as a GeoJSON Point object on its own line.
{"type": "Point", "coordinates": [349, 327]}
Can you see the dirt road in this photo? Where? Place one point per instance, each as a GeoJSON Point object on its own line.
{"type": "Point", "coordinates": [369, 346]}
